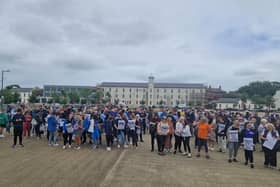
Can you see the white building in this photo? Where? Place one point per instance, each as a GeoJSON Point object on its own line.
{"type": "Point", "coordinates": [155, 94]}
{"type": "Point", "coordinates": [234, 103]}
{"type": "Point", "coordinates": [24, 93]}
{"type": "Point", "coordinates": [277, 99]}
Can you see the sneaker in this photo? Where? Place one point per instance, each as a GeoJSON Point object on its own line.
{"type": "Point", "coordinates": [130, 143]}
{"type": "Point", "coordinates": [94, 146]}
{"type": "Point", "coordinates": [180, 151]}
{"type": "Point", "coordinates": [229, 161]}
{"type": "Point", "coordinates": [152, 150]}
{"type": "Point", "coordinates": [198, 155]}
{"type": "Point", "coordinates": [119, 146]}
{"type": "Point", "coordinates": [184, 153]}
{"type": "Point", "coordinates": [56, 144]}
{"type": "Point", "coordinates": [252, 166]}
{"type": "Point", "coordinates": [108, 148]}
{"type": "Point", "coordinates": [189, 155]}
{"type": "Point", "coordinates": [234, 160]}
{"type": "Point", "coordinates": [125, 146]}
{"type": "Point", "coordinates": [50, 144]}
{"type": "Point", "coordinates": [69, 146]}
{"type": "Point", "coordinates": [78, 148]}
{"type": "Point", "coordinates": [246, 163]}
{"type": "Point", "coordinates": [21, 145]}
{"type": "Point", "coordinates": [207, 157]}
{"type": "Point", "coordinates": [174, 152]}
{"type": "Point", "coordinates": [2, 136]}
{"type": "Point", "coordinates": [13, 146]}
{"type": "Point", "coordinates": [64, 147]}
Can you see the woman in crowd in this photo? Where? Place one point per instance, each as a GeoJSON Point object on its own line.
{"type": "Point", "coordinates": [120, 125]}
{"type": "Point", "coordinates": [68, 131]}
{"type": "Point", "coordinates": [178, 134]}
{"type": "Point", "coordinates": [162, 133]}
{"type": "Point", "coordinates": [203, 129]}
{"type": "Point", "coordinates": [270, 137]}
{"type": "Point", "coordinates": [233, 141]}
{"type": "Point", "coordinates": [248, 141]}
{"type": "Point", "coordinates": [132, 130]}
{"type": "Point", "coordinates": [52, 129]}
{"type": "Point", "coordinates": [153, 130]}
{"type": "Point", "coordinates": [186, 135]}
{"type": "Point", "coordinates": [109, 131]}
{"type": "Point", "coordinates": [18, 120]}
{"type": "Point", "coordinates": [27, 124]}
{"type": "Point", "coordinates": [221, 133]}
{"type": "Point", "coordinates": [168, 144]}
{"type": "Point", "coordinates": [96, 131]}
{"type": "Point", "coordinates": [78, 131]}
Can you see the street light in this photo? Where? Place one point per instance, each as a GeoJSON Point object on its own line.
{"type": "Point", "coordinates": [4, 71]}
{"type": "Point", "coordinates": [2, 87]}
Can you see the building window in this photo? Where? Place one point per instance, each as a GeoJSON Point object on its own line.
{"type": "Point", "coordinates": [179, 97]}
{"type": "Point", "coordinates": [136, 89]}
{"type": "Point", "coordinates": [171, 90]}
{"type": "Point", "coordinates": [123, 96]}
{"type": "Point", "coordinates": [164, 97]}
{"type": "Point", "coordinates": [136, 96]}
{"type": "Point", "coordinates": [116, 89]}
{"type": "Point", "coordinates": [164, 90]}
{"type": "Point", "coordinates": [179, 90]}
{"type": "Point", "coordinates": [151, 96]}
{"type": "Point", "coordinates": [116, 95]}
{"type": "Point", "coordinates": [136, 102]}
{"type": "Point", "coordinates": [129, 96]}
{"type": "Point", "coordinates": [109, 89]}
{"type": "Point", "coordinates": [123, 89]}
{"type": "Point", "coordinates": [150, 102]}
{"type": "Point", "coordinates": [157, 90]}
{"type": "Point", "coordinates": [129, 89]}
{"type": "Point", "coordinates": [151, 90]}
{"type": "Point", "coordinates": [171, 102]}
{"type": "Point", "coordinates": [157, 96]}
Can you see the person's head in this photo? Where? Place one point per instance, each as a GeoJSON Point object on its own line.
{"type": "Point", "coordinates": [182, 120]}
{"type": "Point", "coordinates": [164, 119]}
{"type": "Point", "coordinates": [204, 120]}
{"type": "Point", "coordinates": [270, 127]}
{"type": "Point", "coordinates": [19, 111]}
{"type": "Point", "coordinates": [263, 121]}
{"type": "Point", "coordinates": [137, 116]}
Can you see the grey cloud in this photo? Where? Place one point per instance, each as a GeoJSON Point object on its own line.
{"type": "Point", "coordinates": [246, 72]}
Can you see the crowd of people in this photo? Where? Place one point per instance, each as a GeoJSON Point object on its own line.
{"type": "Point", "coordinates": [170, 129]}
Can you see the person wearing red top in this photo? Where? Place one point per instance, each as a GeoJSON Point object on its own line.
{"type": "Point", "coordinates": [203, 130]}
{"type": "Point", "coordinates": [27, 124]}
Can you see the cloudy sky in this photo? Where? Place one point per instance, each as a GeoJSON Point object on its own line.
{"type": "Point", "coordinates": [217, 42]}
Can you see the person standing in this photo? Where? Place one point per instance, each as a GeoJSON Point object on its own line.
{"type": "Point", "coordinates": [233, 141]}
{"type": "Point", "coordinates": [153, 130]}
{"type": "Point", "coordinates": [78, 131]}
{"type": "Point", "coordinates": [3, 122]}
{"type": "Point", "coordinates": [270, 136]}
{"type": "Point", "coordinates": [162, 132]}
{"type": "Point", "coordinates": [248, 140]}
{"type": "Point", "coordinates": [186, 135]}
{"type": "Point", "coordinates": [203, 130]}
{"type": "Point", "coordinates": [109, 130]}
{"type": "Point", "coordinates": [27, 124]}
{"type": "Point", "coordinates": [68, 130]}
{"type": "Point", "coordinates": [52, 129]}
{"type": "Point", "coordinates": [178, 133]}
{"type": "Point", "coordinates": [18, 120]}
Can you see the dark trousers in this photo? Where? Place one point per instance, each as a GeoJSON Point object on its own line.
{"type": "Point", "coordinates": [84, 137]}
{"type": "Point", "coordinates": [186, 144]}
{"type": "Point", "coordinates": [37, 130]}
{"type": "Point", "coordinates": [141, 137]}
{"type": "Point", "coordinates": [161, 142]}
{"type": "Point", "coordinates": [67, 137]}
{"type": "Point", "coordinates": [270, 157]}
{"type": "Point", "coordinates": [134, 138]}
{"type": "Point", "coordinates": [109, 140]}
{"type": "Point", "coordinates": [18, 133]}
{"type": "Point", "coordinates": [153, 137]}
{"type": "Point", "coordinates": [249, 156]}
{"type": "Point", "coordinates": [178, 143]}
{"type": "Point", "coordinates": [202, 142]}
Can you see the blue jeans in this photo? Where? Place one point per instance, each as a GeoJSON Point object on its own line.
{"type": "Point", "coordinates": [52, 137]}
{"type": "Point", "coordinates": [121, 135]}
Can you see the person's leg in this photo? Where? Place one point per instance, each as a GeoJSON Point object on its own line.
{"type": "Point", "coordinates": [20, 136]}
{"type": "Point", "coordinates": [50, 138]}
{"type": "Point", "coordinates": [65, 136]}
{"type": "Point", "coordinates": [266, 156]}
{"type": "Point", "coordinates": [152, 141]}
{"type": "Point", "coordinates": [70, 135]}
{"type": "Point", "coordinates": [123, 138]}
{"type": "Point", "coordinates": [199, 146]}
{"type": "Point", "coordinates": [28, 129]}
{"type": "Point", "coordinates": [176, 143]}
{"type": "Point", "coordinates": [24, 130]}
{"type": "Point", "coordinates": [246, 156]}
{"type": "Point", "coordinates": [15, 135]}
{"type": "Point", "coordinates": [236, 147]}
{"type": "Point", "coordinates": [230, 150]}
{"type": "Point", "coordinates": [224, 145]}
{"type": "Point", "coordinates": [180, 144]}
{"type": "Point", "coordinates": [251, 158]}
{"type": "Point", "coordinates": [185, 144]}
{"type": "Point", "coordinates": [188, 145]}
{"type": "Point", "coordinates": [206, 148]}
{"type": "Point", "coordinates": [274, 158]}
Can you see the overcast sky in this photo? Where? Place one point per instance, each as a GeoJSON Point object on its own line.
{"type": "Point", "coordinates": [217, 42]}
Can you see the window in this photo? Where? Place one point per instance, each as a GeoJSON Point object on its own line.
{"type": "Point", "coordinates": [157, 90]}
{"type": "Point", "coordinates": [129, 96]}
{"type": "Point", "coordinates": [123, 96]}
{"type": "Point", "coordinates": [179, 97]}
{"type": "Point", "coordinates": [136, 102]}
{"type": "Point", "coordinates": [150, 102]}
{"type": "Point", "coordinates": [179, 90]}
{"type": "Point", "coordinates": [136, 89]}
{"type": "Point", "coordinates": [151, 96]}
{"type": "Point", "coordinates": [164, 97]}
{"type": "Point", "coordinates": [171, 102]}
{"type": "Point", "coordinates": [129, 89]}
{"type": "Point", "coordinates": [116, 89]}
{"type": "Point", "coordinates": [123, 89]}
{"type": "Point", "coordinates": [109, 89]}
{"type": "Point", "coordinates": [171, 96]}
{"type": "Point", "coordinates": [171, 90]}
{"type": "Point", "coordinates": [116, 95]}
{"type": "Point", "coordinates": [157, 96]}
{"type": "Point", "coordinates": [164, 90]}
{"type": "Point", "coordinates": [151, 90]}
{"type": "Point", "coordinates": [136, 96]}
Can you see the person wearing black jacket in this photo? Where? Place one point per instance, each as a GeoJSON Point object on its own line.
{"type": "Point", "coordinates": [18, 120]}
{"type": "Point", "coordinates": [153, 130]}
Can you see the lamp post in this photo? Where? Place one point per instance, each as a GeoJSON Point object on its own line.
{"type": "Point", "coordinates": [2, 87]}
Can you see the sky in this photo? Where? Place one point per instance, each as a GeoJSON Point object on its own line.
{"type": "Point", "coordinates": [214, 42]}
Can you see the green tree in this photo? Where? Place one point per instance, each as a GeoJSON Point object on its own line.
{"type": "Point", "coordinates": [34, 95]}
{"type": "Point", "coordinates": [56, 97]}
{"type": "Point", "coordinates": [142, 102]}
{"type": "Point", "coordinates": [74, 97]}
{"type": "Point", "coordinates": [85, 94]}
{"type": "Point", "coordinates": [8, 96]}
{"type": "Point", "coordinates": [98, 96]}
{"type": "Point", "coordinates": [161, 102]}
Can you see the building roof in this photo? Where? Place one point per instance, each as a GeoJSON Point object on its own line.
{"type": "Point", "coordinates": [145, 85]}
{"type": "Point", "coordinates": [124, 84]}
{"type": "Point", "coordinates": [20, 90]}
{"type": "Point", "coordinates": [228, 100]}
{"type": "Point", "coordinates": [67, 86]}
